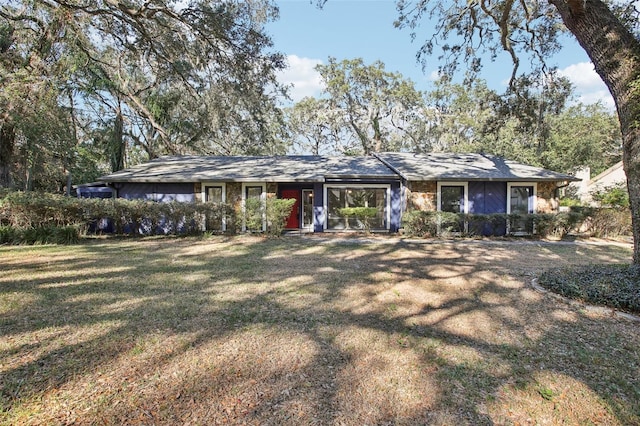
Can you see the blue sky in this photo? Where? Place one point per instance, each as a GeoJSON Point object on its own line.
{"type": "Point", "coordinates": [347, 29]}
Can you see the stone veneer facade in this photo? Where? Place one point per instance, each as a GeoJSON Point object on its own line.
{"type": "Point", "coordinates": [546, 201]}
{"type": "Point", "coordinates": [422, 195]}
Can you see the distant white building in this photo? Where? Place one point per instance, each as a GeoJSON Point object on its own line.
{"type": "Point", "coordinates": [613, 176]}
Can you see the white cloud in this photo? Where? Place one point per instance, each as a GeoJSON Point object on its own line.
{"type": "Point", "coordinates": [588, 84]}
{"type": "Point", "coordinates": [434, 75]}
{"type": "Point", "coordinates": [303, 77]}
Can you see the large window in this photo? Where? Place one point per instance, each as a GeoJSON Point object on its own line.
{"type": "Point", "coordinates": [453, 197]}
{"type": "Point", "coordinates": [338, 198]}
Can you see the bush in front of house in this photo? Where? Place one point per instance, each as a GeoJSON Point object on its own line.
{"type": "Point", "coordinates": [431, 223]}
{"type": "Point", "coordinates": [363, 215]}
{"type": "Point", "coordinates": [607, 222]}
{"type": "Point", "coordinates": [32, 217]}
{"type": "Point", "coordinates": [597, 222]}
{"type": "Point", "coordinates": [37, 210]}
{"type": "Point", "coordinates": [614, 286]}
{"type": "Point", "coordinates": [278, 211]}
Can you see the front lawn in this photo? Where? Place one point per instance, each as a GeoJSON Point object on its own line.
{"type": "Point", "coordinates": [296, 331]}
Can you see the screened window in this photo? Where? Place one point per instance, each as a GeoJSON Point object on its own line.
{"type": "Point", "coordinates": [253, 192]}
{"type": "Point", "coordinates": [452, 198]}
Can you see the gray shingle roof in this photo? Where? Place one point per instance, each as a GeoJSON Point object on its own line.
{"type": "Point", "coordinates": [465, 167]}
{"type": "Point", "coordinates": [290, 168]}
{"type": "Point", "coordinates": [309, 168]}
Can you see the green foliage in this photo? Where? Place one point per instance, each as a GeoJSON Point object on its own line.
{"type": "Point", "coordinates": [615, 196]}
{"type": "Point", "coordinates": [418, 223]}
{"type": "Point", "coordinates": [615, 286]}
{"type": "Point", "coordinates": [63, 235]}
{"type": "Point", "coordinates": [430, 223]}
{"type": "Point", "coordinates": [608, 222]}
{"type": "Point", "coordinates": [57, 57]}
{"type": "Point", "coordinates": [364, 215]}
{"type": "Point", "coordinates": [254, 214]}
{"type": "Point", "coordinates": [278, 211]}
{"type": "Point", "coordinates": [35, 212]}
{"type": "Point", "coordinates": [598, 222]}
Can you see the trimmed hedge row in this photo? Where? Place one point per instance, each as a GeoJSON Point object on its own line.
{"type": "Point", "coordinates": [598, 222]}
{"type": "Point", "coordinates": [23, 214]}
{"type": "Point", "coordinates": [39, 217]}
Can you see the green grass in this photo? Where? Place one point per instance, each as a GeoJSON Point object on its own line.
{"type": "Point", "coordinates": [247, 330]}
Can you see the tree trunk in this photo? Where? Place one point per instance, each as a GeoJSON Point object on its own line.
{"type": "Point", "coordinates": [117, 144]}
{"type": "Point", "coordinates": [7, 142]}
{"type": "Point", "coordinates": [615, 54]}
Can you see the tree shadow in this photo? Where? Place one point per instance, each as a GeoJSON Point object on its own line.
{"type": "Point", "coordinates": [300, 332]}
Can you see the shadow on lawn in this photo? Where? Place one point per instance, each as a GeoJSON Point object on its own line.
{"type": "Point", "coordinates": [306, 331]}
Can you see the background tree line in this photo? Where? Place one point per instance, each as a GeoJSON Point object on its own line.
{"type": "Point", "coordinates": [91, 86]}
{"type": "Point", "coordinates": [365, 109]}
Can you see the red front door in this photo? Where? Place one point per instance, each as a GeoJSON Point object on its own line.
{"type": "Point", "coordinates": [294, 219]}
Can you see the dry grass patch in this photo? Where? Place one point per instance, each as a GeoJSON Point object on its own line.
{"type": "Point", "coordinates": [307, 331]}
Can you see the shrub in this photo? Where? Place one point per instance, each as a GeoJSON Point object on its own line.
{"type": "Point", "coordinates": [66, 235]}
{"type": "Point", "coordinates": [8, 234]}
{"type": "Point", "coordinates": [615, 286]}
{"type": "Point", "coordinates": [278, 211]}
{"type": "Point", "coordinates": [429, 224]}
{"type": "Point", "coordinates": [614, 196]}
{"type": "Point", "coordinates": [608, 222]}
{"type": "Point", "coordinates": [424, 224]}
{"type": "Point", "coordinates": [363, 215]}
{"type": "Point", "coordinates": [39, 235]}
{"type": "Point", "coordinates": [419, 223]}
{"type": "Point", "coordinates": [253, 214]}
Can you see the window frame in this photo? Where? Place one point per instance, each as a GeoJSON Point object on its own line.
{"type": "Point", "coordinates": [203, 193]}
{"type": "Point", "coordinates": [465, 201]}
{"type": "Point", "coordinates": [385, 186]}
{"type": "Point", "coordinates": [533, 208]}
{"type": "Point", "coordinates": [465, 185]}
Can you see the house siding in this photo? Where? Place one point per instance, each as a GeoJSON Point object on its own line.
{"type": "Point", "coordinates": [160, 192]}
{"type": "Point", "coordinates": [396, 207]}
{"type": "Point", "coordinates": [487, 197]}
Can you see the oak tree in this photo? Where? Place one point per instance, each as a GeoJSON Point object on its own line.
{"type": "Point", "coordinates": [607, 31]}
